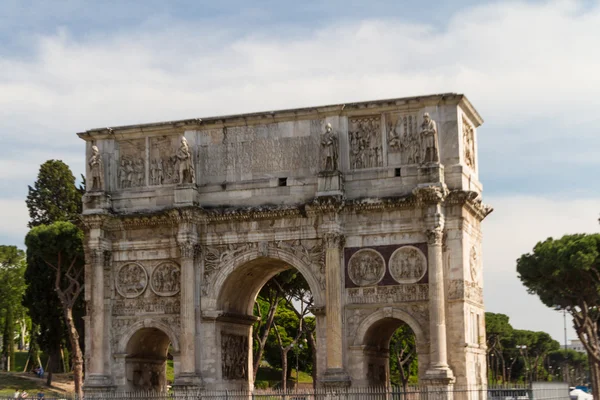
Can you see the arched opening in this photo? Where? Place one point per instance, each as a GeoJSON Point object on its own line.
{"type": "Point", "coordinates": [386, 341]}
{"type": "Point", "coordinates": [146, 360]}
{"type": "Point", "coordinates": [241, 327]}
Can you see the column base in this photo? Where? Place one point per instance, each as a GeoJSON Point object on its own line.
{"type": "Point", "coordinates": [439, 377]}
{"type": "Point", "coordinates": [187, 383]}
{"type": "Point", "coordinates": [98, 386]}
{"type": "Point", "coordinates": [335, 378]}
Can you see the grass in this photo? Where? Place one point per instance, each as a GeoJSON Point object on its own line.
{"type": "Point", "coordinates": [270, 377]}
{"type": "Point", "coordinates": [21, 359]}
{"type": "Point", "coordinates": [9, 382]}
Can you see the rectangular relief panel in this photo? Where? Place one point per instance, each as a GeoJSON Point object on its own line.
{"type": "Point", "coordinates": [364, 136]}
{"type": "Point", "coordinates": [132, 163]}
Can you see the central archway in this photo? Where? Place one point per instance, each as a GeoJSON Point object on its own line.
{"type": "Point", "coordinates": [236, 289]}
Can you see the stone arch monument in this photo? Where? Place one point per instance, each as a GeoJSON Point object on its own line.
{"type": "Point", "coordinates": [377, 204]}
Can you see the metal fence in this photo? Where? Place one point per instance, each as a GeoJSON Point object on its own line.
{"type": "Point", "coordinates": [535, 391]}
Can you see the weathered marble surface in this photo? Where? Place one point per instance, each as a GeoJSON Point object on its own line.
{"type": "Point", "coordinates": [189, 219]}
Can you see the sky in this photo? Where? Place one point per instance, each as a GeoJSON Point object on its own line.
{"type": "Point", "coordinates": [529, 67]}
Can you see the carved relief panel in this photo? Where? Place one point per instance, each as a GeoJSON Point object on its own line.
{"type": "Point", "coordinates": [166, 279]}
{"type": "Point", "coordinates": [366, 267]}
{"type": "Point", "coordinates": [234, 356]}
{"type": "Point", "coordinates": [366, 150]}
{"type": "Point", "coordinates": [403, 139]}
{"type": "Point", "coordinates": [386, 265]}
{"type": "Point", "coordinates": [468, 142]}
{"type": "Point", "coordinates": [131, 280]}
{"type": "Point", "coordinates": [164, 166]}
{"type": "Point", "coordinates": [132, 164]}
{"type": "Point", "coordinates": [408, 264]}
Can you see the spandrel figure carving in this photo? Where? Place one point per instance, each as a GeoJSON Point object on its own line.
{"type": "Point", "coordinates": [429, 139]}
{"type": "Point", "coordinates": [187, 173]}
{"type": "Point", "coordinates": [96, 170]}
{"type": "Point", "coordinates": [329, 150]}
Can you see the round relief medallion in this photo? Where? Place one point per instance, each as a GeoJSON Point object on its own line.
{"type": "Point", "coordinates": [408, 265]}
{"type": "Point", "coordinates": [166, 279]}
{"type": "Point", "coordinates": [131, 280]}
{"type": "Point", "coordinates": [366, 267]}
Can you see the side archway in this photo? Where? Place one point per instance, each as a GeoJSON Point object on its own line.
{"type": "Point", "coordinates": [369, 354]}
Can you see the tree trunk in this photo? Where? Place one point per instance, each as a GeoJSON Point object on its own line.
{"type": "Point", "coordinates": [284, 367]}
{"type": "Point", "coordinates": [313, 345]}
{"type": "Point", "coordinates": [262, 341]}
{"type": "Point", "coordinates": [76, 354]}
{"type": "Point", "coordinates": [53, 363]}
{"type": "Point", "coordinates": [594, 377]}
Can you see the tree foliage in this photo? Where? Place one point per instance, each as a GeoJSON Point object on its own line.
{"type": "Point", "coordinates": [59, 247]}
{"type": "Point", "coordinates": [12, 288]}
{"type": "Point", "coordinates": [565, 274]}
{"type": "Point", "coordinates": [54, 196]}
{"type": "Point", "coordinates": [404, 367]}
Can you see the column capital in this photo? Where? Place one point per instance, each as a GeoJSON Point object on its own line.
{"type": "Point", "coordinates": [189, 249]}
{"type": "Point", "coordinates": [435, 236]}
{"type": "Point", "coordinates": [334, 240]}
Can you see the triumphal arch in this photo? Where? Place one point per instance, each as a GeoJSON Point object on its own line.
{"type": "Point", "coordinates": [377, 204]}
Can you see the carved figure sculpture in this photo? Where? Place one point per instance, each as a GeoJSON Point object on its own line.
{"type": "Point", "coordinates": [139, 172]}
{"type": "Point", "coordinates": [329, 149]}
{"type": "Point", "coordinates": [366, 267]}
{"type": "Point", "coordinates": [429, 139]}
{"type": "Point", "coordinates": [469, 144]}
{"type": "Point", "coordinates": [186, 163]}
{"type": "Point", "coordinates": [123, 174]}
{"type": "Point", "coordinates": [234, 356]}
{"type": "Point", "coordinates": [96, 170]}
{"type": "Point", "coordinates": [407, 265]}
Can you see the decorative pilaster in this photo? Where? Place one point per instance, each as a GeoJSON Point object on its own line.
{"type": "Point", "coordinates": [334, 374]}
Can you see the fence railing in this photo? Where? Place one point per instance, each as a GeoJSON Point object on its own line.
{"type": "Point", "coordinates": [535, 391]}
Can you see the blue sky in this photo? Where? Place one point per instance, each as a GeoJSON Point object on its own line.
{"type": "Point", "coordinates": [530, 68]}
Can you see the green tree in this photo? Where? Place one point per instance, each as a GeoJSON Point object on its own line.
{"type": "Point", "coordinates": [54, 196]}
{"type": "Point", "coordinates": [403, 357]}
{"type": "Point", "coordinates": [565, 274]}
{"type": "Point", "coordinates": [497, 330]}
{"type": "Point", "coordinates": [59, 246]}
{"type": "Point", "coordinates": [12, 287]}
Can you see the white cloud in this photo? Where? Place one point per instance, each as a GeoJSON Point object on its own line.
{"type": "Point", "coordinates": [14, 217]}
{"type": "Point", "coordinates": [514, 227]}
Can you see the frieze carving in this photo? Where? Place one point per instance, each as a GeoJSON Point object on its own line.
{"type": "Point", "coordinates": [389, 294]}
{"type": "Point", "coordinates": [160, 305]}
{"type": "Point", "coordinates": [132, 165]}
{"type": "Point", "coordinates": [96, 170]}
{"type": "Point", "coordinates": [407, 265]}
{"type": "Point", "coordinates": [234, 356]}
{"type": "Point", "coordinates": [166, 279]}
{"type": "Point", "coordinates": [329, 150]}
{"type": "Point", "coordinates": [465, 290]}
{"type": "Point", "coordinates": [131, 280]}
{"type": "Point", "coordinates": [365, 142]}
{"type": "Point", "coordinates": [366, 267]}
{"type": "Point", "coordinates": [404, 137]}
{"type": "Point", "coordinates": [164, 166]}
{"type": "Point", "coordinates": [469, 143]}
{"type": "Point", "coordinates": [430, 144]}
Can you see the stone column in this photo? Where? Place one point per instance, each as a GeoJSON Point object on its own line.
{"type": "Point", "coordinates": [97, 259]}
{"type": "Point", "coordinates": [187, 365]}
{"type": "Point", "coordinates": [438, 363]}
{"type": "Point", "coordinates": [335, 373]}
